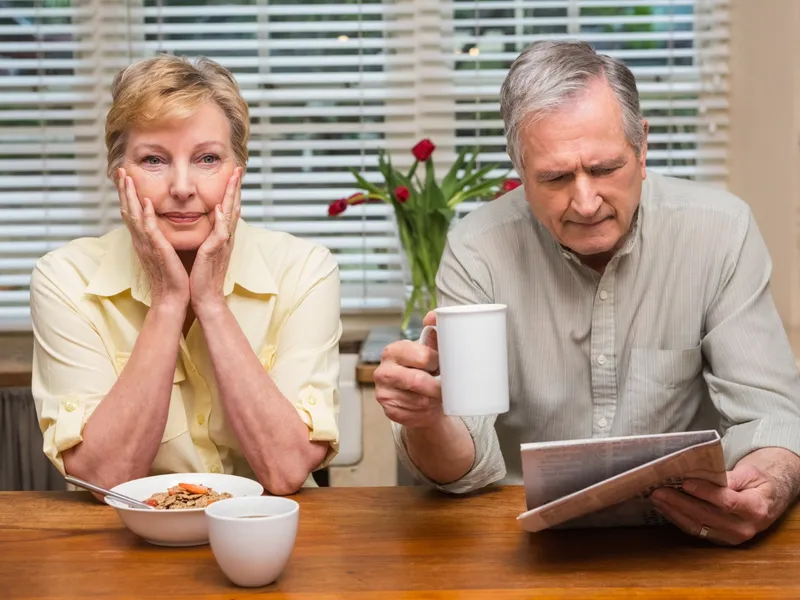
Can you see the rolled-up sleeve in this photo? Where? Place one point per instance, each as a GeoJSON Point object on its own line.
{"type": "Point", "coordinates": [488, 467]}
{"type": "Point", "coordinates": [752, 376]}
{"type": "Point", "coordinates": [72, 371]}
{"type": "Point", "coordinates": [306, 361]}
{"type": "Point", "coordinates": [463, 279]}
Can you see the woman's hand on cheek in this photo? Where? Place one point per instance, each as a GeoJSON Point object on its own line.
{"type": "Point", "coordinates": [169, 283]}
{"type": "Point", "coordinates": [207, 279]}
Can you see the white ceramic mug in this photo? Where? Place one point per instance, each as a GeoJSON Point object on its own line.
{"type": "Point", "coordinates": [252, 538]}
{"type": "Point", "coordinates": [473, 358]}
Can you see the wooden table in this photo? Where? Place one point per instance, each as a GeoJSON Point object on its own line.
{"type": "Point", "coordinates": [387, 544]}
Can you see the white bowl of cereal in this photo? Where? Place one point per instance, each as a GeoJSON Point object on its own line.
{"type": "Point", "coordinates": [179, 500]}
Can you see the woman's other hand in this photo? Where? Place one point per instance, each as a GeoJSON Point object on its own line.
{"type": "Point", "coordinates": [207, 278]}
{"type": "Point", "coordinates": [169, 282]}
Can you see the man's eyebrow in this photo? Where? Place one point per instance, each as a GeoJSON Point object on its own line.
{"type": "Point", "coordinates": [611, 163]}
{"type": "Point", "coordinates": [549, 174]}
{"type": "Point", "coordinates": [603, 165]}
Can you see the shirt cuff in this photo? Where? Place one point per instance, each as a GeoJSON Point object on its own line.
{"type": "Point", "coordinates": [487, 468]}
{"type": "Point", "coordinates": [65, 431]}
{"type": "Point", "coordinates": [741, 440]}
{"type": "Point", "coordinates": [318, 411]}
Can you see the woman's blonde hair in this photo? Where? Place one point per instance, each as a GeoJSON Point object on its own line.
{"type": "Point", "coordinates": [171, 87]}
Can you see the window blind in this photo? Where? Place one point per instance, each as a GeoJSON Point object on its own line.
{"type": "Point", "coordinates": [329, 83]}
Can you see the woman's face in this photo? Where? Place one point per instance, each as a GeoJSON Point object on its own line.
{"type": "Point", "coordinates": [183, 167]}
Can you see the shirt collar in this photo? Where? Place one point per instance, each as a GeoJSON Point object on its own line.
{"type": "Point", "coordinates": [633, 234]}
{"type": "Point", "coordinates": [248, 268]}
{"type": "Point", "coordinates": [120, 269]}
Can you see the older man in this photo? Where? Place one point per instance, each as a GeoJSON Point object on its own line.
{"type": "Point", "coordinates": [638, 304]}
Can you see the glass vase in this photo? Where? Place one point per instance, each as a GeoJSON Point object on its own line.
{"type": "Point", "coordinates": [416, 297]}
{"type": "Point", "coordinates": [415, 309]}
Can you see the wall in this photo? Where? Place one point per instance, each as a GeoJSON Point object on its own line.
{"type": "Point", "coordinates": [764, 149]}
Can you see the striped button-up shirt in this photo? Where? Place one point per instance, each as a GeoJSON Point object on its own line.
{"type": "Point", "coordinates": [678, 333]}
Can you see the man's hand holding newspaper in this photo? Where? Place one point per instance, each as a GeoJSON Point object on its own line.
{"type": "Point", "coordinates": [652, 479]}
{"type": "Point", "coordinates": [756, 495]}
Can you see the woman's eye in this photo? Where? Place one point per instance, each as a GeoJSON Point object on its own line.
{"type": "Point", "coordinates": [209, 159]}
{"type": "Point", "coordinates": [152, 160]}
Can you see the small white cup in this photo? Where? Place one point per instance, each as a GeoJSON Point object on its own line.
{"type": "Point", "coordinates": [251, 549]}
{"type": "Point", "coordinates": [473, 358]}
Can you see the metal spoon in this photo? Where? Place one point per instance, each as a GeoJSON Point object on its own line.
{"type": "Point", "coordinates": [115, 495]}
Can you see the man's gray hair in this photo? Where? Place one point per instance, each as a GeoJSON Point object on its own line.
{"type": "Point", "coordinates": [546, 76]}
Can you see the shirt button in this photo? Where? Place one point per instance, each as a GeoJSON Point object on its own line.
{"type": "Point", "coordinates": [565, 255]}
{"type": "Point", "coordinates": [214, 469]}
{"type": "Point", "coordinates": [602, 422]}
{"type": "Point", "coordinates": [603, 295]}
{"type": "Point", "coordinates": [70, 406]}
{"type": "Point", "coordinates": [312, 401]}
{"type": "Point", "coordinates": [601, 360]}
{"type": "Point", "coordinates": [201, 419]}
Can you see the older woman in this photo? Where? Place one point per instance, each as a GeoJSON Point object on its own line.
{"type": "Point", "coordinates": [187, 340]}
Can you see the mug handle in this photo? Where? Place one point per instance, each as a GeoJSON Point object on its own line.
{"type": "Point", "coordinates": [426, 334]}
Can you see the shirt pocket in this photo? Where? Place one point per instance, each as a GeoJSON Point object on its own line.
{"type": "Point", "coordinates": [664, 389]}
{"type": "Point", "coordinates": [177, 422]}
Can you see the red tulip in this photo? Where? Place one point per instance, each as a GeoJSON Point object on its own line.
{"type": "Point", "coordinates": [401, 193]}
{"type": "Point", "coordinates": [511, 184]}
{"type": "Point", "coordinates": [337, 207]}
{"type": "Point", "coordinates": [423, 150]}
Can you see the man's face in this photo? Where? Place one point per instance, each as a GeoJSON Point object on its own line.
{"type": "Point", "coordinates": [582, 178]}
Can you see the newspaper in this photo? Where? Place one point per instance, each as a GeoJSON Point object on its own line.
{"type": "Point", "coordinates": [607, 482]}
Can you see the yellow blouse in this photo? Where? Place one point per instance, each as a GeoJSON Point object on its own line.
{"type": "Point", "coordinates": [88, 303]}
